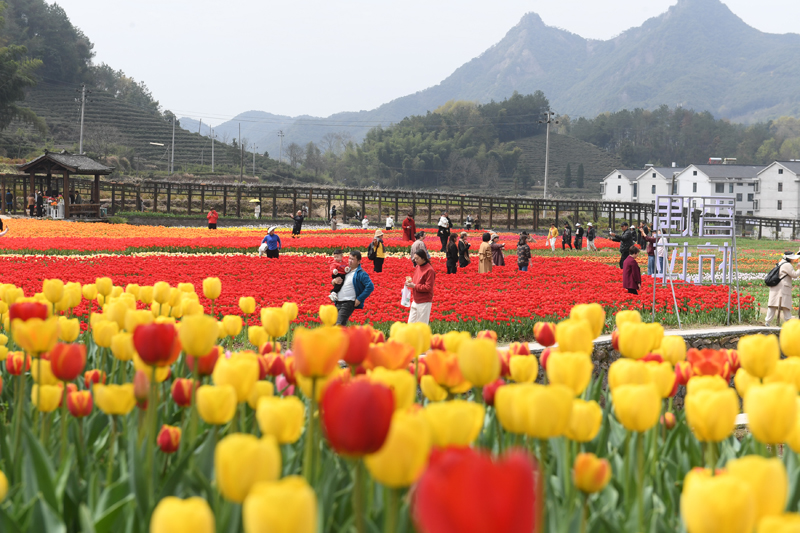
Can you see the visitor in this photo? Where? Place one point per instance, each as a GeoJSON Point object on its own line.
{"type": "Point", "coordinates": [421, 285]}
{"type": "Point", "coordinates": [552, 235]}
{"type": "Point", "coordinates": [304, 209]}
{"type": "Point", "coordinates": [643, 231]}
{"type": "Point", "coordinates": [468, 222]}
{"type": "Point", "coordinates": [298, 224]}
{"type": "Point", "coordinates": [443, 229]}
{"type": "Point", "coordinates": [626, 240]}
{"type": "Point", "coordinates": [452, 254]}
{"type": "Point", "coordinates": [78, 199]}
{"type": "Point", "coordinates": [333, 211]}
{"type": "Point", "coordinates": [418, 245]}
{"type": "Point", "coordinates": [566, 236]}
{"type": "Point", "coordinates": [389, 223]}
{"type": "Point", "coordinates": [339, 269]}
{"type": "Point", "coordinates": [212, 217]}
{"type": "Point", "coordinates": [376, 252]}
{"type": "Point", "coordinates": [257, 211]}
{"type": "Point", "coordinates": [651, 251]}
{"type": "Point", "coordinates": [270, 244]}
{"type": "Point", "coordinates": [9, 201]}
{"type": "Point", "coordinates": [631, 275]}
{"type": "Point", "coordinates": [364, 223]}
{"type": "Point", "coordinates": [72, 198]}
{"type": "Point", "coordinates": [497, 251]}
{"type": "Point", "coordinates": [661, 251]}
{"type": "Point", "coordinates": [356, 287]}
{"type": "Point", "coordinates": [333, 223]}
{"type": "Point", "coordinates": [485, 255]}
{"type": "Point", "coordinates": [463, 251]}
{"type": "Point", "coordinates": [523, 253]}
{"type": "Point", "coordinates": [590, 236]}
{"type": "Point", "coordinates": [31, 203]}
{"type": "Point", "coordinates": [409, 227]}
{"type": "Point", "coordinates": [40, 204]}
{"type": "Point", "coordinates": [780, 296]}
{"type": "Point", "coordinates": [578, 236]}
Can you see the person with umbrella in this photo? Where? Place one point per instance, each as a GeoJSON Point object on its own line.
{"type": "Point", "coordinates": [298, 224]}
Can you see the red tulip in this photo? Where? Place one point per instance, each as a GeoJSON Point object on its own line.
{"type": "Point", "coordinates": [544, 333]}
{"type": "Point", "coordinates": [421, 369]}
{"type": "Point", "coordinates": [356, 415]}
{"type": "Point", "coordinates": [17, 363]}
{"type": "Point", "coordinates": [270, 364]}
{"type": "Point", "coordinates": [490, 390]}
{"type": "Point", "coordinates": [288, 368]}
{"type": "Point", "coordinates": [505, 361]}
{"type": "Point", "coordinates": [708, 362]}
{"type": "Point", "coordinates": [683, 372]}
{"type": "Point", "coordinates": [615, 340]}
{"type": "Point", "coordinates": [269, 347]}
{"type": "Point", "coordinates": [544, 356]}
{"type": "Point", "coordinates": [27, 310]}
{"type": "Point", "coordinates": [155, 342]}
{"type": "Point", "coordinates": [182, 391]}
{"type": "Point", "coordinates": [91, 377]}
{"type": "Point", "coordinates": [519, 348]}
{"type": "Point", "coordinates": [733, 360]}
{"type": "Point", "coordinates": [1, 384]}
{"type": "Point", "coordinates": [80, 403]}
{"type": "Point", "coordinates": [378, 337]}
{"type": "Point", "coordinates": [169, 438]}
{"type": "Point", "coordinates": [206, 364]}
{"type": "Point", "coordinates": [141, 388]}
{"type": "Point", "coordinates": [71, 387]}
{"type": "Point", "coordinates": [467, 491]}
{"type": "Point", "coordinates": [487, 334]}
{"type": "Point", "coordinates": [67, 361]}
{"type": "Point", "coordinates": [359, 338]}
{"type": "Point", "coordinates": [652, 357]}
{"type": "Point", "coordinates": [437, 342]}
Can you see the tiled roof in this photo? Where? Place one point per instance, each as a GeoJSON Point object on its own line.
{"type": "Point", "coordinates": [730, 171]}
{"type": "Point", "coordinates": [78, 164]}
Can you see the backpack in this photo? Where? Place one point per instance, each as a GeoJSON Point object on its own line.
{"type": "Point", "coordinates": [372, 254]}
{"type": "Point", "coordinates": [773, 277]}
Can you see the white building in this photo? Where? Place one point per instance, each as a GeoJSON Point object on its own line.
{"type": "Point", "coordinates": [778, 190]}
{"type": "Point", "coordinates": [621, 186]}
{"type": "Point", "coordinates": [721, 180]}
{"type": "Point", "coordinates": [654, 181]}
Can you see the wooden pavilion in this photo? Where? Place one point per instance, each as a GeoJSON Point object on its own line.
{"type": "Point", "coordinates": [64, 164]}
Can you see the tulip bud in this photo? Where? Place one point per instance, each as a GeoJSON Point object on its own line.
{"type": "Point", "coordinates": [544, 333]}
{"type": "Point", "coordinates": [615, 340]}
{"type": "Point", "coordinates": [683, 372]}
{"type": "Point", "coordinates": [27, 310]}
{"type": "Point", "coordinates": [291, 310]}
{"type": "Point", "coordinates": [182, 390]}
{"type": "Point", "coordinates": [53, 290]}
{"type": "Point", "coordinates": [544, 356]}
{"type": "Point", "coordinates": [92, 377]}
{"type": "Point", "coordinates": [68, 329]}
{"type": "Point", "coordinates": [673, 349]}
{"type": "Point", "coordinates": [759, 354]}
{"type": "Point", "coordinates": [80, 403]}
{"type": "Point", "coordinates": [67, 361]}
{"type": "Point", "coordinates": [141, 386]}
{"type": "Point", "coordinates": [247, 304]}
{"type": "Point", "coordinates": [487, 334]}
{"type": "Point", "coordinates": [437, 342]}
{"type": "Point", "coordinates": [523, 368]}
{"type": "Point", "coordinates": [490, 390]}
{"type": "Point", "coordinates": [212, 288]}
{"type": "Point", "coordinates": [591, 474]}
{"type": "Point", "coordinates": [242, 460]}
{"type": "Point", "coordinates": [358, 341]}
{"type": "Point", "coordinates": [519, 348]}
{"type": "Point", "coordinates": [328, 314]}
{"type": "Point", "coordinates": [17, 363]}
{"type": "Point", "coordinates": [628, 315]}
{"type": "Point", "coordinates": [89, 291]}
{"type": "Point", "coordinates": [282, 506]}
{"type": "Point", "coordinates": [169, 438]}
{"type": "Point", "coordinates": [206, 363]}
{"type": "Point", "coordinates": [668, 420]}
{"type": "Point", "coordinates": [173, 515]}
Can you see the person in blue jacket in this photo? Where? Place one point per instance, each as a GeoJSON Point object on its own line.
{"type": "Point", "coordinates": [270, 244]}
{"type": "Point", "coordinates": [356, 287]}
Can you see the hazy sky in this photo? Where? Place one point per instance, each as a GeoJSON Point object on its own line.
{"type": "Point", "coordinates": [211, 60]}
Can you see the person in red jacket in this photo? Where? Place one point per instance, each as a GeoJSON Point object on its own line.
{"type": "Point", "coordinates": [212, 217]}
{"type": "Point", "coordinates": [409, 228]}
{"type": "Point", "coordinates": [631, 274]}
{"type": "Point", "coordinates": [421, 285]}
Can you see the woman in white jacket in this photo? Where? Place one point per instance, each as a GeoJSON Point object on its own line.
{"type": "Point", "coordinates": [780, 296]}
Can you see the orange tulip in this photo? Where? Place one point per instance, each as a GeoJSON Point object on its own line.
{"type": "Point", "coordinates": [392, 355]}
{"type": "Point", "coordinates": [316, 351]}
{"type": "Point", "coordinates": [444, 369]}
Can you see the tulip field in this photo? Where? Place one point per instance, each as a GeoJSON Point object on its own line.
{"type": "Point", "coordinates": [147, 385]}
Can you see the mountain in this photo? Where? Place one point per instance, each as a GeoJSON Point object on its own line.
{"type": "Point", "coordinates": [697, 54]}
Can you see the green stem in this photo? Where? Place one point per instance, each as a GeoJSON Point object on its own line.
{"type": "Point", "coordinates": [640, 488]}
{"type": "Point", "coordinates": [308, 462]}
{"type": "Point", "coordinates": [39, 392]}
{"type": "Point", "coordinates": [194, 415]}
{"type": "Point", "coordinates": [151, 430]}
{"type": "Point", "coordinates": [392, 510]}
{"type": "Point", "coordinates": [585, 513]}
{"type": "Point", "coordinates": [111, 451]}
{"type": "Point", "coordinates": [115, 371]}
{"type": "Point", "coordinates": [64, 422]}
{"type": "Point", "coordinates": [358, 496]}
{"type": "Point", "coordinates": [18, 415]}
{"type": "Point", "coordinates": [499, 432]}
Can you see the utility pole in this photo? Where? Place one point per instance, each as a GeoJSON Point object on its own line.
{"type": "Point", "coordinates": [241, 154]}
{"type": "Point", "coordinates": [200, 127]}
{"type": "Point", "coordinates": [549, 119]}
{"type": "Point", "coordinates": [254, 159]}
{"type": "Point", "coordinates": [280, 153]}
{"type": "Point", "coordinates": [83, 105]}
{"type": "Point", "coordinates": [172, 158]}
{"type": "Point", "coordinates": [212, 150]}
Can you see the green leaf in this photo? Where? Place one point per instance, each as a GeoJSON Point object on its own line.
{"type": "Point", "coordinates": [43, 470]}
{"type": "Point", "coordinates": [45, 519]}
{"type": "Point", "coordinates": [62, 476]}
{"type": "Point", "coordinates": [107, 520]}
{"type": "Point", "coordinates": [168, 488]}
{"type": "Point", "coordinates": [7, 523]}
{"type": "Point", "coordinates": [84, 515]}
{"type": "Point", "coordinates": [138, 480]}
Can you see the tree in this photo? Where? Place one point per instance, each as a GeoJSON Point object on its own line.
{"type": "Point", "coordinates": [295, 154]}
{"type": "Point", "coordinates": [16, 74]}
{"type": "Point", "coordinates": [568, 177]}
{"type": "Point", "coordinates": [523, 174]}
{"type": "Point", "coordinates": [579, 179]}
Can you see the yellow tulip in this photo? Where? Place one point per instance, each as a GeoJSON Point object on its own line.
{"type": "Point", "coordinates": [187, 288]}
{"type": "Point", "coordinates": [307, 383]}
{"type": "Point", "coordinates": [159, 373]}
{"type": "Point", "coordinates": [247, 304]}
{"type": "Point", "coordinates": [404, 455]}
{"type": "Point", "coordinates": [3, 486]}
{"type": "Point", "coordinates": [512, 406]}
{"type": "Point", "coordinates": [793, 440]}
{"type": "Point", "coordinates": [257, 336]}
{"type": "Point", "coordinates": [627, 372]}
{"type": "Point", "coordinates": [122, 346]}
{"type": "Point", "coordinates": [454, 423]}
{"type": "Point", "coordinates": [663, 375]}
{"type": "Point", "coordinates": [593, 314]}
{"type": "Point", "coordinates": [573, 369]}
{"type": "Point", "coordinates": [637, 340]}
{"type": "Point", "coordinates": [240, 371]}
{"type": "Point", "coordinates": [146, 294]}
{"type": "Point", "coordinates": [591, 474]}
{"type": "Point", "coordinates": [715, 504]}
{"type": "Point", "coordinates": [114, 399]}
{"type": "Point", "coordinates": [328, 314]}
{"type": "Point", "coordinates": [53, 290]}
{"type": "Point", "coordinates": [242, 460]}
{"type": "Point", "coordinates": [698, 383]}
{"type": "Point", "coordinates": [89, 291]}
{"type": "Point", "coordinates": [232, 325]}
{"type": "Point", "coordinates": [291, 310]}
{"type": "Point", "coordinates": [46, 377]}
{"type": "Point", "coordinates": [453, 339]}
{"type": "Point", "coordinates": [198, 334]}
{"type": "Point", "coordinates": [285, 506]}
{"type": "Point", "coordinates": [786, 371]}
{"type": "Point", "coordinates": [790, 338]}
{"type": "Point", "coordinates": [165, 319]}
{"type": "Point", "coordinates": [137, 318]}
{"type": "Point", "coordinates": [103, 331]}
{"type": "Point", "coordinates": [283, 418]}
{"type": "Point", "coordinates": [711, 414]}
{"type": "Point", "coordinates": [771, 411]}
{"type": "Point", "coordinates": [216, 405]}
{"type": "Point", "coordinates": [36, 336]}
{"type": "Point", "coordinates": [783, 523]}
{"type": "Point", "coordinates": [758, 354]}
{"type": "Point", "coordinates": [574, 336]}
{"type": "Point", "coordinates": [50, 397]}
{"type": "Point", "coordinates": [115, 312]}
{"type": "Point", "coordinates": [68, 329]}
{"type": "Point", "coordinates": [161, 292]}
{"type": "Point", "coordinates": [628, 315]}
{"type": "Point", "coordinates": [190, 307]}
{"type": "Point", "coordinates": [417, 335]}
{"type": "Point", "coordinates": [401, 382]}
{"type": "Point", "coordinates": [637, 407]}
{"type": "Point", "coordinates": [478, 361]}
{"type": "Point", "coordinates": [212, 288]}
{"type": "Point", "coordinates": [173, 515]}
{"type": "Point", "coordinates": [539, 411]}
{"type": "Point", "coordinates": [432, 390]}
{"type": "Point", "coordinates": [673, 349]}
{"type": "Point", "coordinates": [116, 291]}
{"type": "Point", "coordinates": [260, 390]}
{"type": "Point", "coordinates": [221, 333]}
{"type": "Point", "coordinates": [104, 286]}
{"type": "Point", "coordinates": [523, 368]}
{"type": "Point", "coordinates": [766, 478]}
{"type": "Point", "coordinates": [275, 322]}
{"type": "Point", "coordinates": [317, 351]}
{"type": "Point", "coordinates": [584, 421]}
